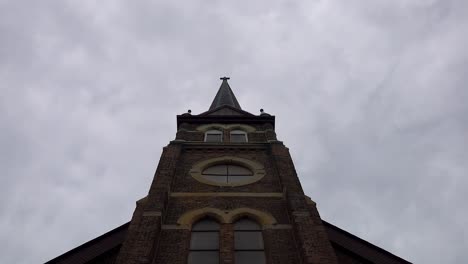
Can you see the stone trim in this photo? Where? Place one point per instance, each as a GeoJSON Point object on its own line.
{"type": "Point", "coordinates": [246, 128]}
{"type": "Point", "coordinates": [257, 169]}
{"type": "Point", "coordinates": [227, 216]}
{"type": "Point", "coordinates": [190, 217]}
{"type": "Point", "coordinates": [177, 141]}
{"type": "Point", "coordinates": [310, 201]}
{"type": "Point", "coordinates": [264, 218]}
{"type": "Point", "coordinates": [275, 141]}
{"type": "Point", "coordinates": [225, 194]}
{"type": "Point", "coordinates": [142, 200]}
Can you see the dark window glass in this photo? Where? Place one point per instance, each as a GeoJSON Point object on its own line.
{"type": "Point", "coordinates": [203, 257]}
{"type": "Point", "coordinates": [225, 173]}
{"type": "Point", "coordinates": [238, 138]}
{"type": "Point", "coordinates": [246, 224]}
{"type": "Point", "coordinates": [204, 243]}
{"type": "Point", "coordinates": [250, 257]}
{"type": "Point", "coordinates": [206, 225]}
{"type": "Point", "coordinates": [248, 242]}
{"type": "Point", "coordinates": [220, 179]}
{"type": "Point", "coordinates": [214, 136]}
{"type": "Point", "coordinates": [216, 170]}
{"type": "Point", "coordinates": [205, 240]}
{"type": "Point", "coordinates": [238, 170]}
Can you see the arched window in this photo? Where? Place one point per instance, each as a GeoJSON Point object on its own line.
{"type": "Point", "coordinates": [248, 242]}
{"type": "Point", "coordinates": [238, 136]}
{"type": "Point", "coordinates": [204, 242]}
{"type": "Point", "coordinates": [227, 173]}
{"type": "Point", "coordinates": [214, 136]}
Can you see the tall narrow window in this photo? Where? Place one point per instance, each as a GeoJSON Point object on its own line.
{"type": "Point", "coordinates": [238, 136]}
{"type": "Point", "coordinates": [214, 136]}
{"type": "Point", "coordinates": [248, 242]}
{"type": "Point", "coordinates": [204, 243]}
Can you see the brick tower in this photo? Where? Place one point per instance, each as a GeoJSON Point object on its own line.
{"type": "Point", "coordinates": [226, 191]}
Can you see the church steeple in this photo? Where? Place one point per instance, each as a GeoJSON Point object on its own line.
{"type": "Point", "coordinates": [226, 191]}
{"type": "Point", "coordinates": [225, 96]}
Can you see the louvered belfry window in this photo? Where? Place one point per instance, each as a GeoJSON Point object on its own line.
{"type": "Point", "coordinates": [204, 242]}
{"type": "Point", "coordinates": [248, 242]}
{"type": "Point", "coordinates": [227, 173]}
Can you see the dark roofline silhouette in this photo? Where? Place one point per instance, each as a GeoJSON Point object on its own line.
{"type": "Point", "coordinates": [225, 96]}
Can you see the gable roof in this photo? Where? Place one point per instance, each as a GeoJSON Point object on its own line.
{"type": "Point", "coordinates": [360, 247]}
{"type": "Point", "coordinates": [338, 237]}
{"type": "Point", "coordinates": [93, 248]}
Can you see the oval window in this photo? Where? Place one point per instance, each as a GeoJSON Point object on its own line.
{"type": "Point", "coordinates": [227, 173]}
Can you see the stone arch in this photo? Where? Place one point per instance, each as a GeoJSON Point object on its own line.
{"type": "Point", "coordinates": [216, 126]}
{"type": "Point", "coordinates": [246, 128]}
{"type": "Point", "coordinates": [190, 217]}
{"type": "Point", "coordinates": [263, 218]}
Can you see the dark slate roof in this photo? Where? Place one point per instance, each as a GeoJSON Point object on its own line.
{"type": "Point", "coordinates": [226, 110]}
{"type": "Point", "coordinates": [360, 247]}
{"type": "Point", "coordinates": [338, 237]}
{"type": "Point", "coordinates": [93, 248]}
{"type": "Point", "coordinates": [225, 96]}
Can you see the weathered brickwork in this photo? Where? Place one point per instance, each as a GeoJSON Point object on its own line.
{"type": "Point", "coordinates": [190, 135]}
{"type": "Point", "coordinates": [173, 246]}
{"type": "Point", "coordinates": [226, 245]}
{"type": "Point", "coordinates": [185, 183]}
{"type": "Point", "coordinates": [180, 205]}
{"type": "Point", "coordinates": [280, 246]}
{"type": "Point", "coordinates": [294, 233]}
{"type": "Point", "coordinates": [254, 137]}
{"type": "Point", "coordinates": [270, 195]}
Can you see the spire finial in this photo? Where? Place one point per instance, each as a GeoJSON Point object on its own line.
{"type": "Point", "coordinates": [224, 78]}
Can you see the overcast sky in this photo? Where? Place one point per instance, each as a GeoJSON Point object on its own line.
{"type": "Point", "coordinates": [370, 97]}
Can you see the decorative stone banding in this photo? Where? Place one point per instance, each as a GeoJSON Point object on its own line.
{"type": "Point", "coordinates": [256, 168]}
{"type": "Point", "coordinates": [266, 220]}
{"type": "Point", "coordinates": [246, 128]}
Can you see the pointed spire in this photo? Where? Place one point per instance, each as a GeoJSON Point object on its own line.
{"type": "Point", "coordinates": [225, 96]}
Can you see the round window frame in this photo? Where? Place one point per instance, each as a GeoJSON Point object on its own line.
{"type": "Point", "coordinates": [257, 169]}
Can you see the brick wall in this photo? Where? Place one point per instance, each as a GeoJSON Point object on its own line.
{"type": "Point", "coordinates": [155, 237]}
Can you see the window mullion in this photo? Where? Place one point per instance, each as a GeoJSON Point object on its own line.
{"type": "Point", "coordinates": [226, 243]}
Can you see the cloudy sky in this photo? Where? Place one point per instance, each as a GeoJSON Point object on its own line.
{"type": "Point", "coordinates": [370, 97]}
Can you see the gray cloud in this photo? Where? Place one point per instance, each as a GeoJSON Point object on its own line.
{"type": "Point", "coordinates": [369, 96]}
